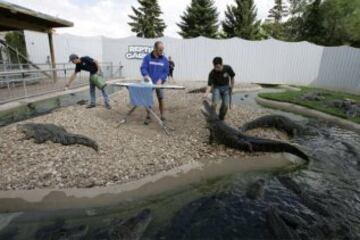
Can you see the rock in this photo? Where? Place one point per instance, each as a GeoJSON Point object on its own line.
{"type": "Point", "coordinates": [314, 96]}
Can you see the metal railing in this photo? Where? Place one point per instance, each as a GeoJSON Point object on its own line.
{"type": "Point", "coordinates": [18, 82]}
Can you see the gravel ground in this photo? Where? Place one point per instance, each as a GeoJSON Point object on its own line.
{"type": "Point", "coordinates": [127, 153]}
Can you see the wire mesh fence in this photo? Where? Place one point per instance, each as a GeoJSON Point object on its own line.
{"type": "Point", "coordinates": [18, 81]}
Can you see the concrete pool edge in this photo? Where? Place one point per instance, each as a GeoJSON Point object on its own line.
{"type": "Point", "coordinates": [174, 179]}
{"type": "Point", "coordinates": [294, 108]}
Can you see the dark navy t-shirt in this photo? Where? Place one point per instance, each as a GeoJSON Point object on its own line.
{"type": "Point", "coordinates": [87, 64]}
{"type": "Point", "coordinates": [221, 78]}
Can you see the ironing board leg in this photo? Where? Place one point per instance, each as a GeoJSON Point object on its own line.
{"type": "Point", "coordinates": [127, 115]}
{"type": "Point", "coordinates": [161, 123]}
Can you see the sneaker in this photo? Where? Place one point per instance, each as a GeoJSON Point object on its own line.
{"type": "Point", "coordinates": [108, 106]}
{"type": "Point", "coordinates": [92, 105]}
{"type": "Point", "coordinates": [147, 120]}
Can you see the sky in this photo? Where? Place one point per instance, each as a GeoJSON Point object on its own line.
{"type": "Point", "coordinates": [110, 17]}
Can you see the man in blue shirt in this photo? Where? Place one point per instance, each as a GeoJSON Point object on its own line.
{"type": "Point", "coordinates": [92, 66]}
{"type": "Point", "coordinates": [155, 68]}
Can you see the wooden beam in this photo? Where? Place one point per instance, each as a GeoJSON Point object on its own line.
{"type": "Point", "coordinates": [52, 55]}
{"type": "Point", "coordinates": [8, 23]}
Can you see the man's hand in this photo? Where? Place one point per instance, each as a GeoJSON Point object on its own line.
{"type": "Point", "coordinates": [147, 79]}
{"type": "Point", "coordinates": [205, 96]}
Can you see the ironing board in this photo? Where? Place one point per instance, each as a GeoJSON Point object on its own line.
{"type": "Point", "coordinates": [141, 95]}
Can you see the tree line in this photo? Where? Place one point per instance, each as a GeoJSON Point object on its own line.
{"type": "Point", "coordinates": [323, 22]}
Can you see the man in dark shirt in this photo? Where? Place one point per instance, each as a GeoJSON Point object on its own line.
{"type": "Point", "coordinates": [92, 66]}
{"type": "Point", "coordinates": [221, 81]}
{"type": "Point", "coordinates": [171, 68]}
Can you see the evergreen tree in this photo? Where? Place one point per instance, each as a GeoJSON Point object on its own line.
{"type": "Point", "coordinates": [199, 19]}
{"type": "Point", "coordinates": [273, 25]}
{"type": "Point", "coordinates": [313, 29]}
{"type": "Point", "coordinates": [16, 39]}
{"type": "Point", "coordinates": [240, 20]}
{"type": "Point", "coordinates": [293, 26]}
{"type": "Point", "coordinates": [146, 21]}
{"type": "Point", "coordinates": [279, 11]}
{"type": "Point", "coordinates": [297, 7]}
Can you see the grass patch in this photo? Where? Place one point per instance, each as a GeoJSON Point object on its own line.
{"type": "Point", "coordinates": [321, 105]}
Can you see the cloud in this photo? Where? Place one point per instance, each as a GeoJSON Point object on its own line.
{"type": "Point", "coordinates": [110, 17]}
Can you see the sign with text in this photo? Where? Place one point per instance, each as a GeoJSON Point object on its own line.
{"type": "Point", "coordinates": [138, 51]}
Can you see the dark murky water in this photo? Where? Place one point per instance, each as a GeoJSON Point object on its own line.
{"type": "Point", "coordinates": [321, 201]}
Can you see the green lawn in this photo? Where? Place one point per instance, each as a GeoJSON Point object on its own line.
{"type": "Point", "coordinates": [322, 105]}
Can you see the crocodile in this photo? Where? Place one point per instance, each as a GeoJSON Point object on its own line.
{"type": "Point", "coordinates": [198, 90]}
{"type": "Point", "coordinates": [231, 137]}
{"type": "Point", "coordinates": [278, 122]}
{"type": "Point", "coordinates": [50, 132]}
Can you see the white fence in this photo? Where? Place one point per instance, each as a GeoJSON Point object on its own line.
{"type": "Point", "coordinates": [268, 61]}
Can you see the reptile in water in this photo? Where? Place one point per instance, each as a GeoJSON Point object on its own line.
{"type": "Point", "coordinates": [231, 137]}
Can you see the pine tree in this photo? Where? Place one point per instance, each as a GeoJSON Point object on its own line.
{"type": "Point", "coordinates": [16, 39]}
{"type": "Point", "coordinates": [297, 7]}
{"type": "Point", "coordinates": [199, 19]}
{"type": "Point", "coordinates": [273, 25]}
{"type": "Point", "coordinates": [146, 21]}
{"type": "Point", "coordinates": [240, 20]}
{"type": "Point", "coordinates": [279, 11]}
{"type": "Point", "coordinates": [293, 26]}
{"type": "Point", "coordinates": [313, 29]}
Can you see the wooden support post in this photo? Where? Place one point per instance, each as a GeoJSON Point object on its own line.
{"type": "Point", "coordinates": [52, 55]}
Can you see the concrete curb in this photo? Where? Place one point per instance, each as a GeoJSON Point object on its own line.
{"type": "Point", "coordinates": [291, 88]}
{"type": "Point", "coordinates": [289, 107]}
{"type": "Point", "coordinates": [251, 89]}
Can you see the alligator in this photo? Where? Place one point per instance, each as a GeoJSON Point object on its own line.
{"type": "Point", "coordinates": [255, 190]}
{"type": "Point", "coordinates": [310, 203]}
{"type": "Point", "coordinates": [133, 228]}
{"type": "Point", "coordinates": [198, 90]}
{"type": "Point", "coordinates": [278, 226]}
{"type": "Point", "coordinates": [50, 132]}
{"type": "Point", "coordinates": [118, 229]}
{"type": "Point", "coordinates": [278, 122]}
{"type": "Point", "coordinates": [58, 230]}
{"type": "Point", "coordinates": [231, 137]}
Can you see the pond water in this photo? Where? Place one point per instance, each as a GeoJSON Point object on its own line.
{"type": "Point", "coordinates": [264, 197]}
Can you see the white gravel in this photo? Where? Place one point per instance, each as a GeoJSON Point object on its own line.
{"type": "Point", "coordinates": [127, 153]}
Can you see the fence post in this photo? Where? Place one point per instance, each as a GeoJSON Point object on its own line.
{"type": "Point", "coordinates": [52, 55]}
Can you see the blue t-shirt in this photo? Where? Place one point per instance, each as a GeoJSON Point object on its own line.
{"type": "Point", "coordinates": [155, 68]}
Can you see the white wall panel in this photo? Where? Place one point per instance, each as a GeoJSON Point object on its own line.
{"type": "Point", "coordinates": [268, 61]}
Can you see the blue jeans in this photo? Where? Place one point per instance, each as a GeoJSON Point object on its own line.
{"type": "Point", "coordinates": [221, 94]}
{"type": "Point", "coordinates": [93, 94]}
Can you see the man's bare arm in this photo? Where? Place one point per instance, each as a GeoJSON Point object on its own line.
{"type": "Point", "coordinates": [71, 79]}
{"type": "Point", "coordinates": [208, 89]}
